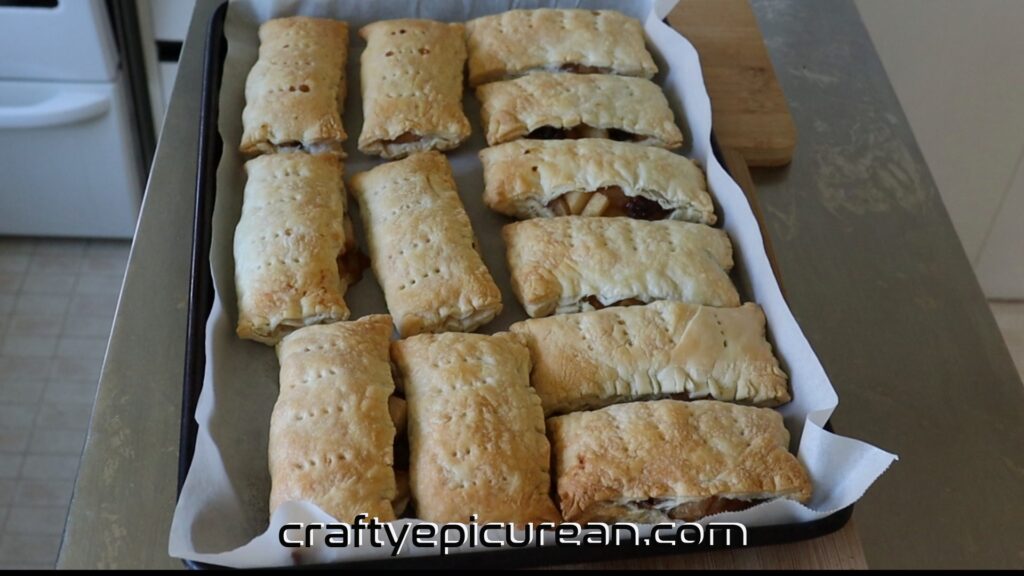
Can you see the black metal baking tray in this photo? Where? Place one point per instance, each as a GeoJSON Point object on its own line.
{"type": "Point", "coordinates": [201, 301]}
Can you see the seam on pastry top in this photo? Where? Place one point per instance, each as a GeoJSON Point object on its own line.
{"type": "Point", "coordinates": [631, 390]}
{"type": "Point", "coordinates": [447, 320]}
{"type": "Point", "coordinates": [266, 146]}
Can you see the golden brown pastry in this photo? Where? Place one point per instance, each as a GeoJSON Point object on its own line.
{"type": "Point", "coordinates": [557, 106]}
{"type": "Point", "coordinates": [293, 246]}
{"type": "Point", "coordinates": [412, 87]}
{"type": "Point", "coordinates": [665, 349]}
{"type": "Point", "coordinates": [518, 42]}
{"type": "Point", "coordinates": [476, 429]}
{"type": "Point", "coordinates": [397, 409]}
{"type": "Point", "coordinates": [422, 247]}
{"type": "Point", "coordinates": [296, 90]}
{"type": "Point", "coordinates": [331, 438]}
{"type": "Point", "coordinates": [670, 460]}
{"type": "Point", "coordinates": [594, 177]}
{"type": "Point", "coordinates": [574, 263]}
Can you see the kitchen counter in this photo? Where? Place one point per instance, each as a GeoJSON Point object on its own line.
{"type": "Point", "coordinates": [873, 271]}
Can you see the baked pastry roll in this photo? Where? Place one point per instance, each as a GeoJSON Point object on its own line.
{"type": "Point", "coordinates": [295, 253]}
{"type": "Point", "coordinates": [650, 462]}
{"type": "Point", "coordinates": [422, 247]}
{"type": "Point", "coordinates": [558, 106]}
{"type": "Point", "coordinates": [296, 91]}
{"type": "Point", "coordinates": [519, 42]}
{"type": "Point", "coordinates": [594, 177]}
{"type": "Point", "coordinates": [412, 87]}
{"type": "Point", "coordinates": [476, 429]}
{"type": "Point", "coordinates": [665, 349]}
{"type": "Point", "coordinates": [330, 433]}
{"type": "Point", "coordinates": [573, 264]}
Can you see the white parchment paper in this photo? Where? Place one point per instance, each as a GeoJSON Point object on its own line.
{"type": "Point", "coordinates": [222, 514]}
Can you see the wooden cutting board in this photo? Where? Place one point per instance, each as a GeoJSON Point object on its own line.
{"type": "Point", "coordinates": [751, 115]}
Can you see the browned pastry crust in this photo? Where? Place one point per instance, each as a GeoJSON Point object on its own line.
{"type": "Point", "coordinates": [585, 103]}
{"type": "Point", "coordinates": [422, 247]}
{"type": "Point", "coordinates": [290, 246]}
{"type": "Point", "coordinates": [331, 438]}
{"type": "Point", "coordinates": [518, 42]}
{"type": "Point", "coordinates": [671, 460]}
{"type": "Point", "coordinates": [571, 264]}
{"type": "Point", "coordinates": [476, 429]}
{"type": "Point", "coordinates": [412, 87]}
{"type": "Point", "coordinates": [296, 90]}
{"type": "Point", "coordinates": [665, 349]}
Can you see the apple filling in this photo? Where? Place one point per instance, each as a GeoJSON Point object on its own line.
{"type": "Point", "coordinates": [610, 201]}
{"type": "Point", "coordinates": [596, 304]}
{"type": "Point", "coordinates": [691, 511]}
{"type": "Point", "coordinates": [576, 68]}
{"type": "Point", "coordinates": [351, 262]}
{"type": "Point", "coordinates": [404, 138]}
{"type": "Point", "coordinates": [584, 131]}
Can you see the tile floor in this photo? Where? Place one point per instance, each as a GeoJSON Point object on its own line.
{"type": "Point", "coordinates": [57, 300]}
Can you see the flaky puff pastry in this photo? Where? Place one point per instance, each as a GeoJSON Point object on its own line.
{"type": "Point", "coordinates": [296, 91]}
{"type": "Point", "coordinates": [524, 177]}
{"type": "Point", "coordinates": [665, 349]}
{"type": "Point", "coordinates": [476, 429]}
{"type": "Point", "coordinates": [574, 263]}
{"type": "Point", "coordinates": [290, 245]}
{"type": "Point", "coordinates": [671, 460]}
{"type": "Point", "coordinates": [635, 107]}
{"type": "Point", "coordinates": [331, 437]}
{"type": "Point", "coordinates": [412, 87]}
{"type": "Point", "coordinates": [518, 42]}
{"type": "Point", "coordinates": [422, 247]}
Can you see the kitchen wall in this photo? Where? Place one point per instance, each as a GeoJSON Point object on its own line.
{"type": "Point", "coordinates": [163, 22]}
{"type": "Point", "coordinates": [958, 70]}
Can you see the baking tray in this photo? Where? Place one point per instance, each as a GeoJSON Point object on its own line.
{"type": "Point", "coordinates": [200, 302]}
